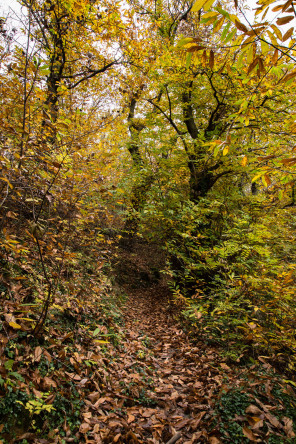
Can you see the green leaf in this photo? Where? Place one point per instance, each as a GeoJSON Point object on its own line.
{"type": "Point", "coordinates": [225, 31]}
{"type": "Point", "coordinates": [230, 36]}
{"type": "Point", "coordinates": [188, 59]}
{"type": "Point", "coordinates": [96, 331]}
{"type": "Point", "coordinates": [216, 150]}
{"type": "Point", "coordinates": [9, 364]}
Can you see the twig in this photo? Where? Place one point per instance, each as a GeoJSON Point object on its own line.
{"type": "Point", "coordinates": [175, 438]}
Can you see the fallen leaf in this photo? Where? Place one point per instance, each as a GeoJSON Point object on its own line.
{"type": "Point", "coordinates": [37, 353]}
{"type": "Point", "coordinates": [14, 325]}
{"type": "Point", "coordinates": [249, 434]}
{"type": "Point", "coordinates": [273, 420]}
{"type": "Point", "coordinates": [84, 427]}
{"type": "Point", "coordinates": [130, 418]}
{"type": "Point", "coordinates": [253, 410]}
{"type": "Point", "coordinates": [288, 427]}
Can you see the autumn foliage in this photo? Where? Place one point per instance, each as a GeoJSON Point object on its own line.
{"type": "Point", "coordinates": [145, 127]}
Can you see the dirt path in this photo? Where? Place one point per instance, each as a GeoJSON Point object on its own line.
{"type": "Point", "coordinates": [159, 386]}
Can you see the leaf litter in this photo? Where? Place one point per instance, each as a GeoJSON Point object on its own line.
{"type": "Point", "coordinates": [143, 381]}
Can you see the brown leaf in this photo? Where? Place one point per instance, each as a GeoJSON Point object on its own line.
{"type": "Point", "coordinates": [214, 440]}
{"type": "Point", "coordinates": [83, 381]}
{"type": "Point", "coordinates": [253, 65]}
{"type": "Point", "coordinates": [130, 418]}
{"type": "Point", "coordinates": [266, 157]}
{"type": "Point", "coordinates": [204, 58]}
{"type": "Point", "coordinates": [181, 424]}
{"type": "Point", "coordinates": [253, 410]}
{"type": "Point", "coordinates": [284, 20]}
{"type": "Point", "coordinates": [9, 317]}
{"type": "Point", "coordinates": [288, 427]}
{"type": "Point", "coordinates": [94, 396]}
{"type": "Point", "coordinates": [290, 161]}
{"type": "Point", "coordinates": [84, 427]}
{"type": "Point", "coordinates": [277, 32]}
{"type": "Point", "coordinates": [288, 34]}
{"type": "Point", "coordinates": [289, 76]}
{"type": "Point", "coordinates": [195, 422]}
{"type": "Point", "coordinates": [211, 59]}
{"type": "Point", "coordinates": [37, 354]}
{"type": "Point", "coordinates": [195, 48]}
{"type": "Point", "coordinates": [258, 423]}
{"type": "Point", "coordinates": [249, 434]}
{"type": "Point", "coordinates": [277, 8]}
{"type": "Point", "coordinates": [286, 5]}
{"type": "Point", "coordinates": [241, 26]}
{"type": "Point", "coordinates": [261, 65]}
{"type": "Point", "coordinates": [225, 367]}
{"type": "Point", "coordinates": [273, 420]}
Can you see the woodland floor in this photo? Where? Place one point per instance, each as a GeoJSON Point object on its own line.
{"type": "Point", "coordinates": [174, 378]}
{"type": "Point", "coordinates": [167, 383]}
{"type": "Point", "coordinates": [141, 380]}
{"type": "Point", "coordinates": [162, 388]}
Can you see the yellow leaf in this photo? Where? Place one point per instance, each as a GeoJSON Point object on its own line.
{"type": "Point", "coordinates": [198, 5]}
{"type": "Point", "coordinates": [277, 32]}
{"type": "Point", "coordinates": [256, 177]}
{"type": "Point", "coordinates": [225, 150]}
{"type": "Point", "coordinates": [208, 4]}
{"type": "Point", "coordinates": [14, 325]}
{"type": "Point", "coordinates": [264, 47]}
{"type": "Point", "coordinates": [219, 24]}
{"type": "Point", "coordinates": [210, 14]}
{"type": "Point", "coordinates": [244, 161]}
{"type": "Point", "coordinates": [6, 180]}
{"type": "Point", "coordinates": [272, 38]}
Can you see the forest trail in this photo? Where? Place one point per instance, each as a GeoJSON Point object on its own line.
{"type": "Point", "coordinates": [160, 385]}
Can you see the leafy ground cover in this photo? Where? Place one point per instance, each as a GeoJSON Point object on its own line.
{"type": "Point", "coordinates": [133, 376]}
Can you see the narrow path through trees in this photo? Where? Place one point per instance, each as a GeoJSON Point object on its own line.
{"type": "Point", "coordinates": [159, 386]}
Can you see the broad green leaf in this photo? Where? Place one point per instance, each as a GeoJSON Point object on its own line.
{"type": "Point", "coordinates": [96, 331]}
